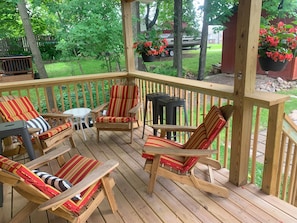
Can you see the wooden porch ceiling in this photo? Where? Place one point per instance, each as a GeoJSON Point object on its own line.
{"type": "Point", "coordinates": [170, 202]}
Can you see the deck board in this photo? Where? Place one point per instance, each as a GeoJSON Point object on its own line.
{"type": "Point", "coordinates": [170, 202]}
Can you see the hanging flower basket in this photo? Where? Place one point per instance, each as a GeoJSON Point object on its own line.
{"type": "Point", "coordinates": [277, 46]}
{"type": "Point", "coordinates": [147, 58]}
{"type": "Point", "coordinates": [268, 64]}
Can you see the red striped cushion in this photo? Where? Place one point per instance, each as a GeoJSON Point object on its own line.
{"type": "Point", "coordinates": [214, 122]}
{"type": "Point", "coordinates": [31, 178]}
{"type": "Point", "coordinates": [176, 162]}
{"type": "Point", "coordinates": [75, 170]}
{"type": "Point", "coordinates": [122, 99]}
{"type": "Point", "coordinates": [55, 130]}
{"type": "Point", "coordinates": [18, 109]}
{"type": "Point", "coordinates": [109, 119]}
{"type": "Point", "coordinates": [200, 139]}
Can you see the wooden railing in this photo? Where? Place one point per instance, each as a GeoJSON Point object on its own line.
{"type": "Point", "coordinates": [92, 90]}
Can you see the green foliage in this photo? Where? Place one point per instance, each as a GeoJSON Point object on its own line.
{"type": "Point", "coordinates": [90, 28]}
{"type": "Point", "coordinates": [165, 15]}
{"type": "Point", "coordinates": [80, 94]}
{"type": "Point", "coordinates": [11, 25]}
{"type": "Point", "coordinates": [273, 10]}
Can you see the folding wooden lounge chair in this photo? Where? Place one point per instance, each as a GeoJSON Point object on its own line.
{"type": "Point", "coordinates": [121, 110]}
{"type": "Point", "coordinates": [80, 185]}
{"type": "Point", "coordinates": [172, 160]}
{"type": "Point", "coordinates": [48, 130]}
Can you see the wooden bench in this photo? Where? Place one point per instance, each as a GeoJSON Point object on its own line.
{"type": "Point", "coordinates": [16, 68]}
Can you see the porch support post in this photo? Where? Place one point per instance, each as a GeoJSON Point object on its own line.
{"type": "Point", "coordinates": [272, 150]}
{"type": "Point", "coordinates": [128, 34]}
{"type": "Point", "coordinates": [248, 24]}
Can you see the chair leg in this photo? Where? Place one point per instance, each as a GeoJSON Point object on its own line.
{"type": "Point", "coordinates": [154, 173]}
{"type": "Point", "coordinates": [107, 185]}
{"type": "Point", "coordinates": [131, 136]}
{"type": "Point", "coordinates": [97, 135]}
{"type": "Point", "coordinates": [72, 143]}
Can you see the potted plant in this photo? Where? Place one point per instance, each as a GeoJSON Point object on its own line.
{"type": "Point", "coordinates": [149, 46]}
{"type": "Point", "coordinates": [277, 46]}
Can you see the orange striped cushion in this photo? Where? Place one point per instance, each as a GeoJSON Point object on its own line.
{"type": "Point", "coordinates": [122, 99]}
{"type": "Point", "coordinates": [18, 109]}
{"type": "Point", "coordinates": [75, 170]}
{"type": "Point", "coordinates": [55, 130]}
{"type": "Point", "coordinates": [176, 162]}
{"type": "Point", "coordinates": [214, 122]}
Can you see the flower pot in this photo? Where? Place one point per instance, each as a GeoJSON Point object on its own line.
{"type": "Point", "coordinates": [147, 58]}
{"type": "Point", "coordinates": [267, 64]}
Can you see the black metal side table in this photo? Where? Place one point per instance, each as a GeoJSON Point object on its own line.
{"type": "Point", "coordinates": [17, 128]}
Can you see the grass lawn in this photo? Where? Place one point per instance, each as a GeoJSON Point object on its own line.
{"type": "Point", "coordinates": [93, 66]}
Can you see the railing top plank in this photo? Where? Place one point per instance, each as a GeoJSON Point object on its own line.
{"type": "Point", "coordinates": [213, 89]}
{"type": "Point", "coordinates": [266, 99]}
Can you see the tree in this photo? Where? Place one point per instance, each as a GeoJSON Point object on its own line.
{"type": "Point", "coordinates": [31, 38]}
{"type": "Point", "coordinates": [214, 12]}
{"type": "Point", "coordinates": [90, 28]}
{"type": "Point", "coordinates": [177, 60]}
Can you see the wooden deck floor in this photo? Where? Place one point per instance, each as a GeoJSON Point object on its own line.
{"type": "Point", "coordinates": [171, 202]}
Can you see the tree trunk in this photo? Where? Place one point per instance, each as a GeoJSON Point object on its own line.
{"type": "Point", "coordinates": [203, 45]}
{"type": "Point", "coordinates": [31, 39]}
{"type": "Point", "coordinates": [34, 47]}
{"type": "Point", "coordinates": [177, 47]}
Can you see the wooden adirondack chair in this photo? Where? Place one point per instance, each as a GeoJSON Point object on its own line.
{"type": "Point", "coordinates": [175, 161]}
{"type": "Point", "coordinates": [121, 110]}
{"type": "Point", "coordinates": [47, 130]}
{"type": "Point", "coordinates": [90, 179]}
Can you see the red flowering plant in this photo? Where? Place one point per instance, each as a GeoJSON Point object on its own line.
{"type": "Point", "coordinates": [150, 44]}
{"type": "Point", "coordinates": [278, 42]}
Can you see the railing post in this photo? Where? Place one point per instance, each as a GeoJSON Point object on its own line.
{"type": "Point", "coordinates": [272, 151]}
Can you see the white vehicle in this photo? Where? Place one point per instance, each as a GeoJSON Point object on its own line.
{"type": "Point", "coordinates": [188, 42]}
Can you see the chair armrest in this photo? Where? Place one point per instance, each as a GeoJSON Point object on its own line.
{"type": "Point", "coordinates": [56, 115]}
{"type": "Point", "coordinates": [134, 109]}
{"type": "Point", "coordinates": [44, 159]}
{"type": "Point", "coordinates": [178, 152]}
{"type": "Point", "coordinates": [96, 111]}
{"type": "Point", "coordinates": [90, 179]}
{"type": "Point", "coordinates": [32, 131]}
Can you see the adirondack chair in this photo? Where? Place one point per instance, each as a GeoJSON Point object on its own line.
{"type": "Point", "coordinates": [175, 161]}
{"type": "Point", "coordinates": [121, 110]}
{"type": "Point", "coordinates": [47, 130]}
{"type": "Point", "coordinates": [76, 192]}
